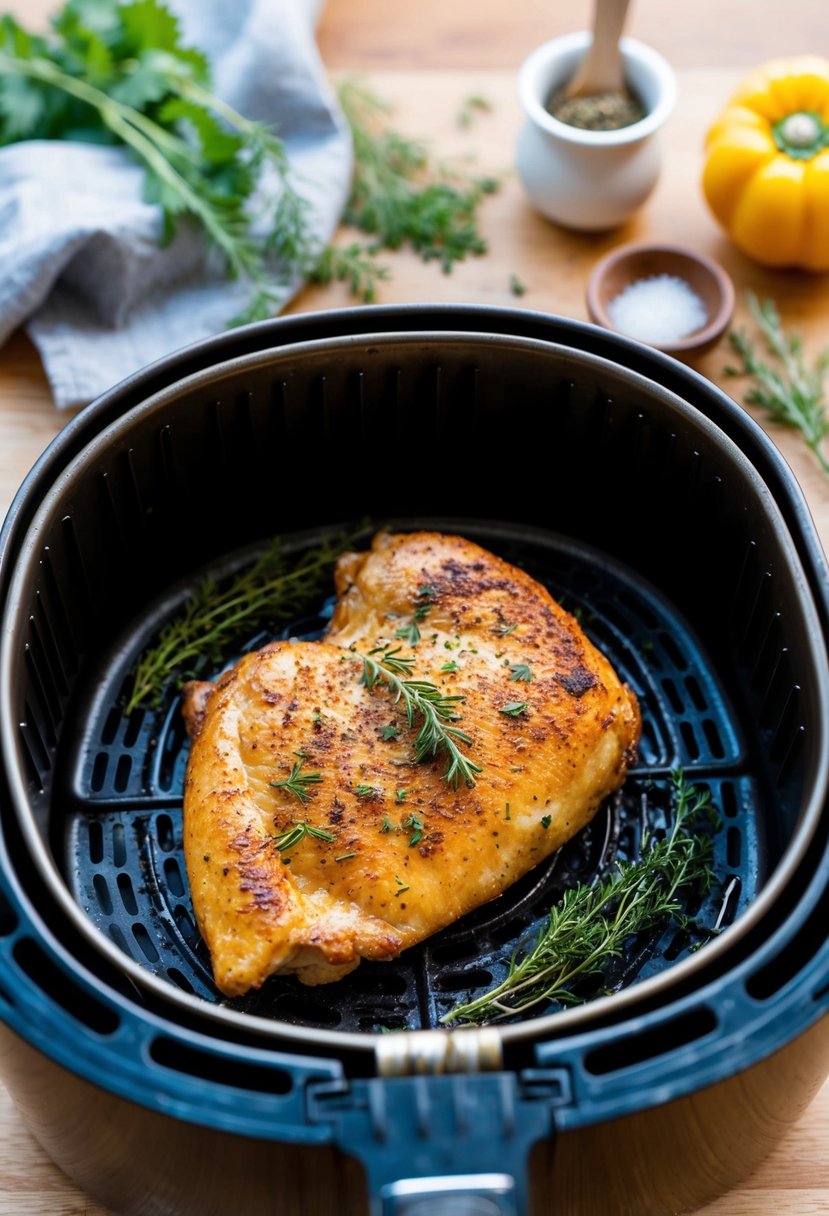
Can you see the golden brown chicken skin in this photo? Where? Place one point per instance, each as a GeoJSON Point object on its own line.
{"type": "Point", "coordinates": [385, 849]}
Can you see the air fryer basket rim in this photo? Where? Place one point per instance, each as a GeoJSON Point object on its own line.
{"type": "Point", "coordinates": [201, 379]}
{"type": "Point", "coordinates": [288, 330]}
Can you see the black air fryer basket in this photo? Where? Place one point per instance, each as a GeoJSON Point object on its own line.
{"type": "Point", "coordinates": [651, 506]}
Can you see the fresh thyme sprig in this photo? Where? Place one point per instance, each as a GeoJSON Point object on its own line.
{"type": "Point", "coordinates": [400, 195]}
{"type": "Point", "coordinates": [422, 699]}
{"type": "Point", "coordinates": [298, 782]}
{"type": "Point", "coordinates": [588, 927]}
{"type": "Point", "coordinates": [298, 830]}
{"type": "Point", "coordinates": [274, 588]}
{"type": "Point", "coordinates": [790, 392]}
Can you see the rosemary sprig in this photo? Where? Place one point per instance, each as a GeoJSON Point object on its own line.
{"type": "Point", "coordinates": [422, 699]}
{"type": "Point", "coordinates": [589, 926]}
{"type": "Point", "coordinates": [298, 782]}
{"type": "Point", "coordinates": [789, 391]}
{"type": "Point", "coordinates": [274, 588]}
{"type": "Point", "coordinates": [298, 830]}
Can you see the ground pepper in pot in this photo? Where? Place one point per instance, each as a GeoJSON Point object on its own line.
{"type": "Point", "coordinates": [598, 112]}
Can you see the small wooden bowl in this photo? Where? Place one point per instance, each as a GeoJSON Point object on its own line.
{"type": "Point", "coordinates": [628, 264]}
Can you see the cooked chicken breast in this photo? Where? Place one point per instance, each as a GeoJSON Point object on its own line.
{"type": "Point", "coordinates": [313, 835]}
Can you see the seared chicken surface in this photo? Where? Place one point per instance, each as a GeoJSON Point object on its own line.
{"type": "Point", "coordinates": [383, 850]}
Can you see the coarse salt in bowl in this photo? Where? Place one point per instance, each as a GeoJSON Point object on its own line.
{"type": "Point", "coordinates": [667, 296]}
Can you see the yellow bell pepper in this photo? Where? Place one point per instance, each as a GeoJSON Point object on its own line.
{"type": "Point", "coordinates": [766, 174]}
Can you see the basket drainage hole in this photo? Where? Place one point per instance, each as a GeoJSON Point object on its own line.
{"type": "Point", "coordinates": [99, 772]}
{"type": "Point", "coordinates": [145, 942]}
{"type": "Point", "coordinates": [734, 848]}
{"type": "Point", "coordinates": [99, 885]}
{"type": "Point", "coordinates": [172, 875]}
{"type": "Point", "coordinates": [712, 736]}
{"type": "Point", "coordinates": [673, 696]}
{"type": "Point", "coordinates": [728, 799]}
{"type": "Point", "coordinates": [127, 893]}
{"type": "Point", "coordinates": [165, 833]}
{"type": "Point", "coordinates": [122, 773]}
{"type": "Point", "coordinates": [464, 981]}
{"type": "Point", "coordinates": [180, 980]}
{"type": "Point", "coordinates": [673, 652]}
{"type": "Point", "coordinates": [119, 844]}
{"type": "Point", "coordinates": [453, 952]}
{"type": "Point", "coordinates": [690, 740]}
{"type": "Point", "coordinates": [96, 841]}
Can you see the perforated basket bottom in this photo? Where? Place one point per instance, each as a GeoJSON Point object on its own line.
{"type": "Point", "coordinates": [121, 843]}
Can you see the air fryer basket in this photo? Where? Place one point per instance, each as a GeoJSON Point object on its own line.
{"type": "Point", "coordinates": [699, 576]}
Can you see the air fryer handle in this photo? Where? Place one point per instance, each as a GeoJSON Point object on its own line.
{"type": "Point", "coordinates": [456, 1195]}
{"type": "Point", "coordinates": [450, 1145]}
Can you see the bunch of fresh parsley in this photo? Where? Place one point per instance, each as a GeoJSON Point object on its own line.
{"type": "Point", "coordinates": [119, 73]}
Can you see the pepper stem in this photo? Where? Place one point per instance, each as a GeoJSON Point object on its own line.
{"type": "Point", "coordinates": [801, 135]}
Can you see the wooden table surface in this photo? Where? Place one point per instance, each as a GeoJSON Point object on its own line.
{"type": "Point", "coordinates": [427, 59]}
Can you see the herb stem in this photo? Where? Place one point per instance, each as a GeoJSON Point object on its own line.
{"type": "Point", "coordinates": [588, 927]}
{"type": "Point", "coordinates": [145, 138]}
{"type": "Point", "coordinates": [790, 392]}
{"type": "Point", "coordinates": [213, 617]}
{"type": "Point", "coordinates": [424, 699]}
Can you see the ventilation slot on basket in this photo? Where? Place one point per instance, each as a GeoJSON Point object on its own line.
{"type": "Point", "coordinates": [207, 1066]}
{"type": "Point", "coordinates": [8, 917]}
{"type": "Point", "coordinates": [62, 989]}
{"type": "Point", "coordinates": [798, 954]}
{"type": "Point", "coordinates": [659, 1040]}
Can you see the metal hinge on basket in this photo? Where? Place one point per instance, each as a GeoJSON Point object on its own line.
{"type": "Point", "coordinates": [443, 1145]}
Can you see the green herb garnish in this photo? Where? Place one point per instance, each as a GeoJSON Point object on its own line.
{"type": "Point", "coordinates": [388, 825]}
{"type": "Point", "coordinates": [408, 633]}
{"type": "Point", "coordinates": [298, 781]}
{"type": "Point", "coordinates": [364, 791]}
{"type": "Point", "coordinates": [513, 709]}
{"type": "Point", "coordinates": [586, 930]}
{"type": "Point", "coordinates": [389, 731]}
{"type": "Point", "coordinates": [400, 195]}
{"type": "Point", "coordinates": [521, 671]}
{"type": "Point", "coordinates": [297, 832]}
{"type": "Point", "coordinates": [422, 699]}
{"type": "Point", "coordinates": [276, 587]}
{"type": "Point", "coordinates": [416, 825]}
{"type": "Point", "coordinates": [788, 390]}
{"type": "Point", "coordinates": [472, 105]}
{"type": "Point", "coordinates": [121, 74]}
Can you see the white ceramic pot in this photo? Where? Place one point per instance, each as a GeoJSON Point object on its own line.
{"type": "Point", "coordinates": [590, 180]}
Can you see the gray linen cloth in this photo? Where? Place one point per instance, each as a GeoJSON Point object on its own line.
{"type": "Point", "coordinates": [81, 265]}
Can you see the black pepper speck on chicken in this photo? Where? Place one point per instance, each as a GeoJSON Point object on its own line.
{"type": "Point", "coordinates": [313, 836]}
